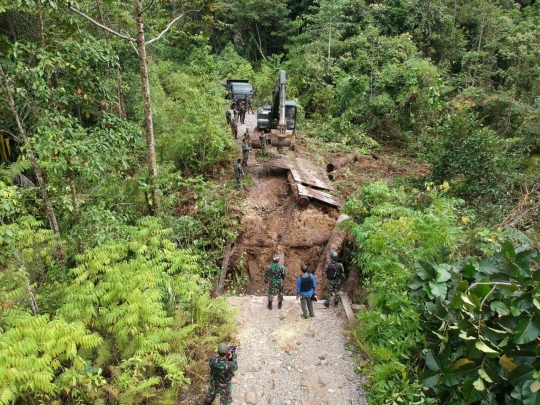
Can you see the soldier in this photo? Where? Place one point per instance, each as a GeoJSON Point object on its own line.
{"type": "Point", "coordinates": [250, 104]}
{"type": "Point", "coordinates": [242, 112]}
{"type": "Point", "coordinates": [238, 174]}
{"type": "Point", "coordinates": [305, 290]}
{"type": "Point", "coordinates": [247, 136]}
{"type": "Point", "coordinates": [235, 113]}
{"type": "Point", "coordinates": [274, 275]}
{"type": "Point", "coordinates": [228, 116]}
{"type": "Point", "coordinates": [245, 152]}
{"type": "Point", "coordinates": [334, 272]}
{"type": "Point", "coordinates": [222, 368]}
{"type": "Point", "coordinates": [234, 129]}
{"type": "Point", "coordinates": [262, 138]}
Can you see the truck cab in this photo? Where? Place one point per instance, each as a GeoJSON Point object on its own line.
{"type": "Point", "coordinates": [239, 90]}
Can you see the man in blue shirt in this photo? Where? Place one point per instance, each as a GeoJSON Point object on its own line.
{"type": "Point", "coordinates": [305, 288]}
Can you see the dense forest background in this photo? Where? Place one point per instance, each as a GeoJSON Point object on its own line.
{"type": "Point", "coordinates": [114, 212]}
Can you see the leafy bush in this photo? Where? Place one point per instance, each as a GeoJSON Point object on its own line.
{"type": "Point", "coordinates": [391, 231]}
{"type": "Point", "coordinates": [480, 165]}
{"type": "Point", "coordinates": [482, 326]}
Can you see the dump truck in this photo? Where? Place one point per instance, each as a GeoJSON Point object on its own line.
{"type": "Point", "coordinates": [239, 90]}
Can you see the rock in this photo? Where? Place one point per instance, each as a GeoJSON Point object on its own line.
{"type": "Point", "coordinates": [322, 357]}
{"type": "Point", "coordinates": [323, 362]}
{"type": "Point", "coordinates": [331, 390]}
{"type": "Point", "coordinates": [251, 398]}
{"type": "Point", "coordinates": [271, 401]}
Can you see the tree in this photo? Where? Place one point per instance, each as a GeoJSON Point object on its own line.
{"type": "Point", "coordinates": [141, 51]}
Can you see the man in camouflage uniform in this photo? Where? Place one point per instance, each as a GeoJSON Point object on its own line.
{"type": "Point", "coordinates": [274, 275]}
{"type": "Point", "coordinates": [235, 113]}
{"type": "Point", "coordinates": [247, 136]}
{"type": "Point", "coordinates": [250, 104]}
{"type": "Point", "coordinates": [262, 138]}
{"type": "Point", "coordinates": [222, 368]}
{"type": "Point", "coordinates": [238, 174]}
{"type": "Point", "coordinates": [245, 152]}
{"type": "Point", "coordinates": [334, 274]}
{"type": "Point", "coordinates": [234, 128]}
{"type": "Point", "coordinates": [242, 112]}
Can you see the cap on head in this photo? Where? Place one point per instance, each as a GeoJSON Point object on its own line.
{"type": "Point", "coordinates": [276, 258]}
{"type": "Point", "coordinates": [304, 268]}
{"type": "Point", "coordinates": [334, 256]}
{"type": "Point", "coordinates": [222, 348]}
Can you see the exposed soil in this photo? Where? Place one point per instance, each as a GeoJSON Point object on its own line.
{"type": "Point", "coordinates": [273, 223]}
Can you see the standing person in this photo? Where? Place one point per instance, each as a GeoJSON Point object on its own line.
{"type": "Point", "coordinates": [238, 174]}
{"type": "Point", "coordinates": [247, 136]}
{"type": "Point", "coordinates": [235, 113]}
{"type": "Point", "coordinates": [262, 138]}
{"type": "Point", "coordinates": [228, 116]}
{"type": "Point", "coordinates": [305, 288]}
{"type": "Point", "coordinates": [250, 104]}
{"type": "Point", "coordinates": [334, 272]}
{"type": "Point", "coordinates": [275, 273]}
{"type": "Point", "coordinates": [245, 152]}
{"type": "Point", "coordinates": [222, 368]}
{"type": "Point", "coordinates": [242, 113]}
{"type": "Point", "coordinates": [234, 129]}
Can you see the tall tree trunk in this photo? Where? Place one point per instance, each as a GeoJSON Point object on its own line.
{"type": "Point", "coordinates": [37, 171]}
{"type": "Point", "coordinates": [74, 202]}
{"type": "Point", "coordinates": [148, 123]}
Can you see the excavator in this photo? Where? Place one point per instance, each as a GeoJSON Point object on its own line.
{"type": "Point", "coordinates": [281, 119]}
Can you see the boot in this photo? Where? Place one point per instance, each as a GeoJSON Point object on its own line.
{"type": "Point", "coordinates": [326, 304]}
{"type": "Point", "coordinates": [336, 303]}
{"type": "Point", "coordinates": [279, 305]}
{"type": "Point", "coordinates": [269, 304]}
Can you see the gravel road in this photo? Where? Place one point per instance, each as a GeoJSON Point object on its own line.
{"type": "Point", "coordinates": [286, 360]}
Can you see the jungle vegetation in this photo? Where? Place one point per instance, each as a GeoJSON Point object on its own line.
{"type": "Point", "coordinates": [114, 213]}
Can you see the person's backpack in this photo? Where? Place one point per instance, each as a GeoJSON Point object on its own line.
{"type": "Point", "coordinates": [333, 271]}
{"type": "Point", "coordinates": [306, 283]}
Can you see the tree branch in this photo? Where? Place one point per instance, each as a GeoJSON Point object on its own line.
{"type": "Point", "coordinates": [100, 25]}
{"type": "Point", "coordinates": [168, 27]}
{"type": "Point", "coordinates": [147, 7]}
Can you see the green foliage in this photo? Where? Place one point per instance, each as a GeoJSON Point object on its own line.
{"type": "Point", "coordinates": [189, 119]}
{"type": "Point", "coordinates": [478, 164]}
{"type": "Point", "coordinates": [391, 231]}
{"type": "Point", "coordinates": [136, 311]}
{"type": "Point", "coordinates": [481, 322]}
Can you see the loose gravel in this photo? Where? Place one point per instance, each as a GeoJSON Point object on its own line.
{"type": "Point", "coordinates": [286, 360]}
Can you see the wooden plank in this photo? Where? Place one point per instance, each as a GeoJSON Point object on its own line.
{"type": "Point", "coordinates": [318, 195]}
{"type": "Point", "coordinates": [347, 306]}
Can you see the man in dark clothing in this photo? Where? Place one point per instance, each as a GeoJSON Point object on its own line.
{"type": "Point", "coordinates": [228, 116]}
{"type": "Point", "coordinates": [222, 368]}
{"type": "Point", "coordinates": [334, 273]}
{"type": "Point", "coordinates": [305, 288]}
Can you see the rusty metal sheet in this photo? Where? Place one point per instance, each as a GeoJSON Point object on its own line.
{"type": "Point", "coordinates": [318, 195]}
{"type": "Point", "coordinates": [304, 171]}
{"type": "Point", "coordinates": [308, 176]}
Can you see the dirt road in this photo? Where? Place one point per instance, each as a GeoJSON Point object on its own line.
{"type": "Point", "coordinates": [284, 359]}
